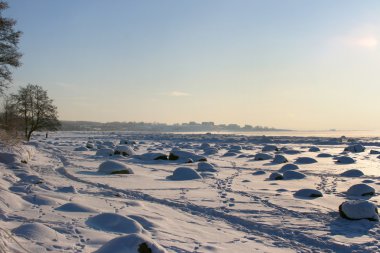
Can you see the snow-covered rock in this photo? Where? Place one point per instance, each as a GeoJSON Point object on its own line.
{"type": "Point", "coordinates": [75, 207]}
{"type": "Point", "coordinates": [276, 176]}
{"type": "Point", "coordinates": [152, 156]}
{"type": "Point", "coordinates": [359, 209]}
{"type": "Point", "coordinates": [113, 222]}
{"type": "Point", "coordinates": [133, 243]}
{"type": "Point", "coordinates": [262, 156]}
{"type": "Point", "coordinates": [269, 148]}
{"type": "Point", "coordinates": [361, 190]}
{"type": "Point", "coordinates": [279, 159]}
{"type": "Point", "coordinates": [357, 148]}
{"type": "Point", "coordinates": [206, 167]}
{"type": "Point", "coordinates": [184, 173]}
{"type": "Point", "coordinates": [124, 150]}
{"type": "Point", "coordinates": [352, 173]}
{"type": "Point", "coordinates": [308, 193]}
{"type": "Point", "coordinates": [38, 232]}
{"type": "Point", "coordinates": [288, 166]}
{"type": "Point", "coordinates": [80, 149]}
{"type": "Point", "coordinates": [177, 154]}
{"type": "Point", "coordinates": [305, 160]}
{"type": "Point", "coordinates": [291, 174]}
{"type": "Point", "coordinates": [344, 160]}
{"type": "Point", "coordinates": [114, 167]}
{"type": "Point", "coordinates": [314, 149]}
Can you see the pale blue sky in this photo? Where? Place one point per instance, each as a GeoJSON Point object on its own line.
{"type": "Point", "coordinates": [286, 64]}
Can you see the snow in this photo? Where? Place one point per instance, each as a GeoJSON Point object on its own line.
{"type": "Point", "coordinates": [54, 199]}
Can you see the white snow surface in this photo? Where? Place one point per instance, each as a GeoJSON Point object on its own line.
{"type": "Point", "coordinates": [53, 199]}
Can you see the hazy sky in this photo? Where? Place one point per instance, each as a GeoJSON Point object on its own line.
{"type": "Point", "coordinates": [286, 64]}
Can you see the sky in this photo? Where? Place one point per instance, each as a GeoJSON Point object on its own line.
{"type": "Point", "coordinates": [306, 65]}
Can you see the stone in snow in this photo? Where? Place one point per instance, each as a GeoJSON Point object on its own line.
{"type": "Point", "coordinates": [361, 190]}
{"type": "Point", "coordinates": [352, 173]}
{"type": "Point", "coordinates": [308, 193]}
{"type": "Point", "coordinates": [359, 209]}
{"type": "Point", "coordinates": [279, 159]}
{"type": "Point", "coordinates": [357, 148]}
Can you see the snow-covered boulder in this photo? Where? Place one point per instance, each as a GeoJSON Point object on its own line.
{"type": "Point", "coordinates": [80, 149]}
{"type": "Point", "coordinates": [184, 173]}
{"type": "Point", "coordinates": [314, 149]}
{"type": "Point", "coordinates": [352, 173]}
{"type": "Point", "coordinates": [262, 156]}
{"type": "Point", "coordinates": [276, 176]}
{"type": "Point", "coordinates": [344, 160]}
{"type": "Point", "coordinates": [288, 166]}
{"type": "Point", "coordinates": [177, 154]}
{"type": "Point", "coordinates": [133, 243]}
{"type": "Point", "coordinates": [75, 207]}
{"type": "Point", "coordinates": [151, 156]}
{"type": "Point", "coordinates": [361, 190]}
{"type": "Point", "coordinates": [206, 167]}
{"type": "Point", "coordinates": [104, 152]}
{"type": "Point", "coordinates": [359, 209]}
{"type": "Point", "coordinates": [305, 160]}
{"type": "Point", "coordinates": [38, 232]}
{"type": "Point", "coordinates": [308, 193]}
{"type": "Point", "coordinates": [124, 150]}
{"type": "Point", "coordinates": [259, 172]}
{"type": "Point", "coordinates": [279, 159]}
{"type": "Point", "coordinates": [114, 167]}
{"type": "Point", "coordinates": [324, 155]}
{"type": "Point", "coordinates": [357, 148]}
{"type": "Point", "coordinates": [291, 174]}
{"type": "Point", "coordinates": [269, 148]}
{"type": "Point", "coordinates": [113, 222]}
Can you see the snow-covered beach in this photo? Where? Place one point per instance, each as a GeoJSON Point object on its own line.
{"type": "Point", "coordinates": [189, 193]}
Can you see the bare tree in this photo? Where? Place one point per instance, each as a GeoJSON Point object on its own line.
{"type": "Point", "coordinates": [35, 109]}
{"type": "Point", "coordinates": [9, 55]}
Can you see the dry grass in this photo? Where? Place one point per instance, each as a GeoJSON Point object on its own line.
{"type": "Point", "coordinates": [10, 138]}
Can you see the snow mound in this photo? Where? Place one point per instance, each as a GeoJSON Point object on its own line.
{"type": "Point", "coordinates": [308, 193]}
{"type": "Point", "coordinates": [269, 148]}
{"type": "Point", "coordinates": [40, 200]}
{"type": "Point", "coordinates": [67, 189]}
{"type": "Point", "coordinates": [305, 160]}
{"type": "Point", "coordinates": [75, 207]}
{"type": "Point", "coordinates": [288, 166]}
{"type": "Point", "coordinates": [104, 152]}
{"type": "Point", "coordinates": [276, 176]}
{"type": "Point", "coordinates": [259, 172]}
{"type": "Point", "coordinates": [262, 156]}
{"type": "Point", "coordinates": [80, 149]}
{"type": "Point", "coordinates": [152, 156]}
{"type": "Point", "coordinates": [184, 173]}
{"type": "Point", "coordinates": [114, 167]}
{"type": "Point", "coordinates": [176, 154]}
{"type": "Point", "coordinates": [124, 150]}
{"type": "Point", "coordinates": [10, 201]}
{"type": "Point", "coordinates": [314, 149]}
{"type": "Point", "coordinates": [205, 166]}
{"type": "Point", "coordinates": [358, 209]}
{"type": "Point", "coordinates": [324, 155]}
{"type": "Point", "coordinates": [230, 153]}
{"type": "Point", "coordinates": [210, 151]}
{"type": "Point", "coordinates": [345, 160]}
{"type": "Point", "coordinates": [38, 232]}
{"type": "Point", "coordinates": [357, 148]}
{"type": "Point", "coordinates": [291, 174]}
{"type": "Point", "coordinates": [133, 243]}
{"type": "Point", "coordinates": [279, 159]}
{"type": "Point", "coordinates": [352, 173]}
{"type": "Point", "coordinates": [361, 190]}
{"type": "Point", "coordinates": [116, 223]}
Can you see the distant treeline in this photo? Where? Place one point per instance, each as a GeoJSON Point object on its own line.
{"type": "Point", "coordinates": [160, 127]}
